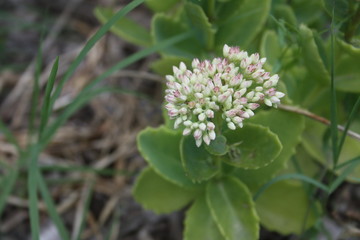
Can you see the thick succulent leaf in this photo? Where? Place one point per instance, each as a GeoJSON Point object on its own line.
{"type": "Point", "coordinates": [270, 48]}
{"type": "Point", "coordinates": [125, 28]}
{"type": "Point", "coordinates": [313, 143]}
{"type": "Point", "coordinates": [311, 56]}
{"type": "Point", "coordinates": [277, 211]}
{"type": "Point", "coordinates": [236, 29]}
{"type": "Point", "coordinates": [252, 146]}
{"type": "Point", "coordinates": [218, 146]}
{"type": "Point", "coordinates": [233, 209]}
{"type": "Point", "coordinates": [199, 165]}
{"type": "Point", "coordinates": [161, 149]}
{"type": "Point", "coordinates": [288, 127]}
{"type": "Point", "coordinates": [307, 11]}
{"type": "Point", "coordinates": [164, 27]}
{"type": "Point", "coordinates": [226, 10]}
{"type": "Point", "coordinates": [199, 224]}
{"type": "Point", "coordinates": [286, 13]}
{"type": "Point", "coordinates": [158, 194]}
{"type": "Point", "coordinates": [347, 74]}
{"type": "Point", "coordinates": [198, 21]}
{"type": "Point", "coordinates": [160, 5]}
{"type": "Point", "coordinates": [164, 66]}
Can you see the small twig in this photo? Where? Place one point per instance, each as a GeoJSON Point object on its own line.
{"type": "Point", "coordinates": [317, 118]}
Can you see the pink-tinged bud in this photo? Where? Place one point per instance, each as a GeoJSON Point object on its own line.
{"type": "Point", "coordinates": [170, 98]}
{"type": "Point", "coordinates": [279, 94]}
{"type": "Point", "coordinates": [226, 50]}
{"type": "Point", "coordinates": [243, 100]}
{"type": "Point", "coordinates": [268, 84]}
{"type": "Point", "coordinates": [245, 115]}
{"type": "Point", "coordinates": [197, 134]}
{"type": "Point", "coordinates": [240, 93]}
{"type": "Point", "coordinates": [198, 95]}
{"type": "Point", "coordinates": [177, 122]}
{"type": "Point", "coordinates": [195, 63]}
{"type": "Point", "coordinates": [176, 71]}
{"type": "Point", "coordinates": [237, 119]}
{"type": "Point", "coordinates": [173, 112]}
{"type": "Point", "coordinates": [266, 75]}
{"type": "Point", "coordinates": [268, 102]}
{"type": "Point", "coordinates": [182, 67]}
{"type": "Point", "coordinates": [212, 135]}
{"type": "Point", "coordinates": [183, 110]}
{"type": "Point", "coordinates": [274, 100]}
{"type": "Point", "coordinates": [198, 142]}
{"type": "Point", "coordinates": [201, 117]}
{"type": "Point", "coordinates": [231, 125]}
{"type": "Point", "coordinates": [187, 123]}
{"type": "Point", "coordinates": [251, 113]}
{"type": "Point", "coordinates": [210, 126]}
{"type": "Point", "coordinates": [186, 131]}
{"type": "Point", "coordinates": [231, 113]}
{"type": "Point", "coordinates": [250, 95]}
{"type": "Point", "coordinates": [209, 113]}
{"type": "Point", "coordinates": [246, 84]}
{"type": "Point", "coordinates": [186, 89]}
{"type": "Point", "coordinates": [253, 106]}
{"type": "Point", "coordinates": [170, 78]}
{"type": "Point", "coordinates": [206, 139]}
{"type": "Point", "coordinates": [254, 57]}
{"type": "Point", "coordinates": [274, 79]}
{"type": "Point", "coordinates": [202, 126]}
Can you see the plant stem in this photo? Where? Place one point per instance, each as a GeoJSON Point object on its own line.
{"type": "Point", "coordinates": [317, 118]}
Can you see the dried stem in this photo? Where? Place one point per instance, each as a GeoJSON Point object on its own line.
{"type": "Point", "coordinates": [317, 118]}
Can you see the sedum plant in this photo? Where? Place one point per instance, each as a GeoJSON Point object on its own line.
{"type": "Point", "coordinates": [224, 151]}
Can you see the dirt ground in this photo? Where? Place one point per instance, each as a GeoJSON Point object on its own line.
{"type": "Point", "coordinates": [102, 135]}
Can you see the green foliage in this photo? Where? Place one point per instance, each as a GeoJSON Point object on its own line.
{"type": "Point", "coordinates": [159, 195]}
{"type": "Point", "coordinates": [125, 27]}
{"type": "Point", "coordinates": [252, 147]}
{"type": "Point", "coordinates": [279, 214]}
{"type": "Point", "coordinates": [232, 207]}
{"type": "Point", "coordinates": [198, 164]}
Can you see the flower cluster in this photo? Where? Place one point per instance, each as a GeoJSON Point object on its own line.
{"type": "Point", "coordinates": [231, 87]}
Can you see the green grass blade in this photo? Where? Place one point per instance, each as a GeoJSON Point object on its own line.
{"type": "Point", "coordinates": [45, 111]}
{"type": "Point", "coordinates": [297, 176]}
{"type": "Point", "coordinates": [35, 94]}
{"type": "Point", "coordinates": [50, 206]}
{"type": "Point", "coordinates": [92, 41]}
{"type": "Point", "coordinates": [333, 114]}
{"type": "Point", "coordinates": [139, 55]}
{"type": "Point", "coordinates": [32, 190]}
{"type": "Point", "coordinates": [9, 136]}
{"type": "Point", "coordinates": [85, 208]}
{"type": "Point", "coordinates": [8, 184]}
{"type": "Point", "coordinates": [352, 115]}
{"type": "Point", "coordinates": [341, 178]}
{"type": "Point", "coordinates": [87, 93]}
{"type": "Point", "coordinates": [356, 159]}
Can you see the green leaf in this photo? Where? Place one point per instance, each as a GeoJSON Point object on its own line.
{"type": "Point", "coordinates": [125, 27]}
{"type": "Point", "coordinates": [225, 10]}
{"type": "Point", "coordinates": [252, 146]}
{"type": "Point", "coordinates": [347, 73]}
{"type": "Point", "coordinates": [199, 224]}
{"type": "Point", "coordinates": [236, 31]}
{"type": "Point", "coordinates": [161, 149]}
{"type": "Point", "coordinates": [307, 11]}
{"type": "Point", "coordinates": [164, 27]}
{"type": "Point", "coordinates": [341, 8]}
{"type": "Point", "coordinates": [164, 65]}
{"type": "Point", "coordinates": [198, 21]}
{"type": "Point", "coordinates": [288, 127]}
{"type": "Point", "coordinates": [270, 48]}
{"type": "Point", "coordinates": [232, 208]}
{"type": "Point", "coordinates": [159, 195]}
{"type": "Point", "coordinates": [160, 5]}
{"type": "Point", "coordinates": [218, 146]}
{"type": "Point", "coordinates": [311, 56]}
{"type": "Point", "coordinates": [277, 212]}
{"type": "Point", "coordinates": [285, 12]}
{"type": "Point", "coordinates": [313, 143]}
{"type": "Point", "coordinates": [199, 165]}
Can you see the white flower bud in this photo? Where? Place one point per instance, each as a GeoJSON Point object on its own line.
{"type": "Point", "coordinates": [206, 139]}
{"type": "Point", "coordinates": [186, 131]}
{"type": "Point", "coordinates": [231, 125]}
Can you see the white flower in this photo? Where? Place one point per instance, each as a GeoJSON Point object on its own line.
{"type": "Point", "coordinates": [231, 87]}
